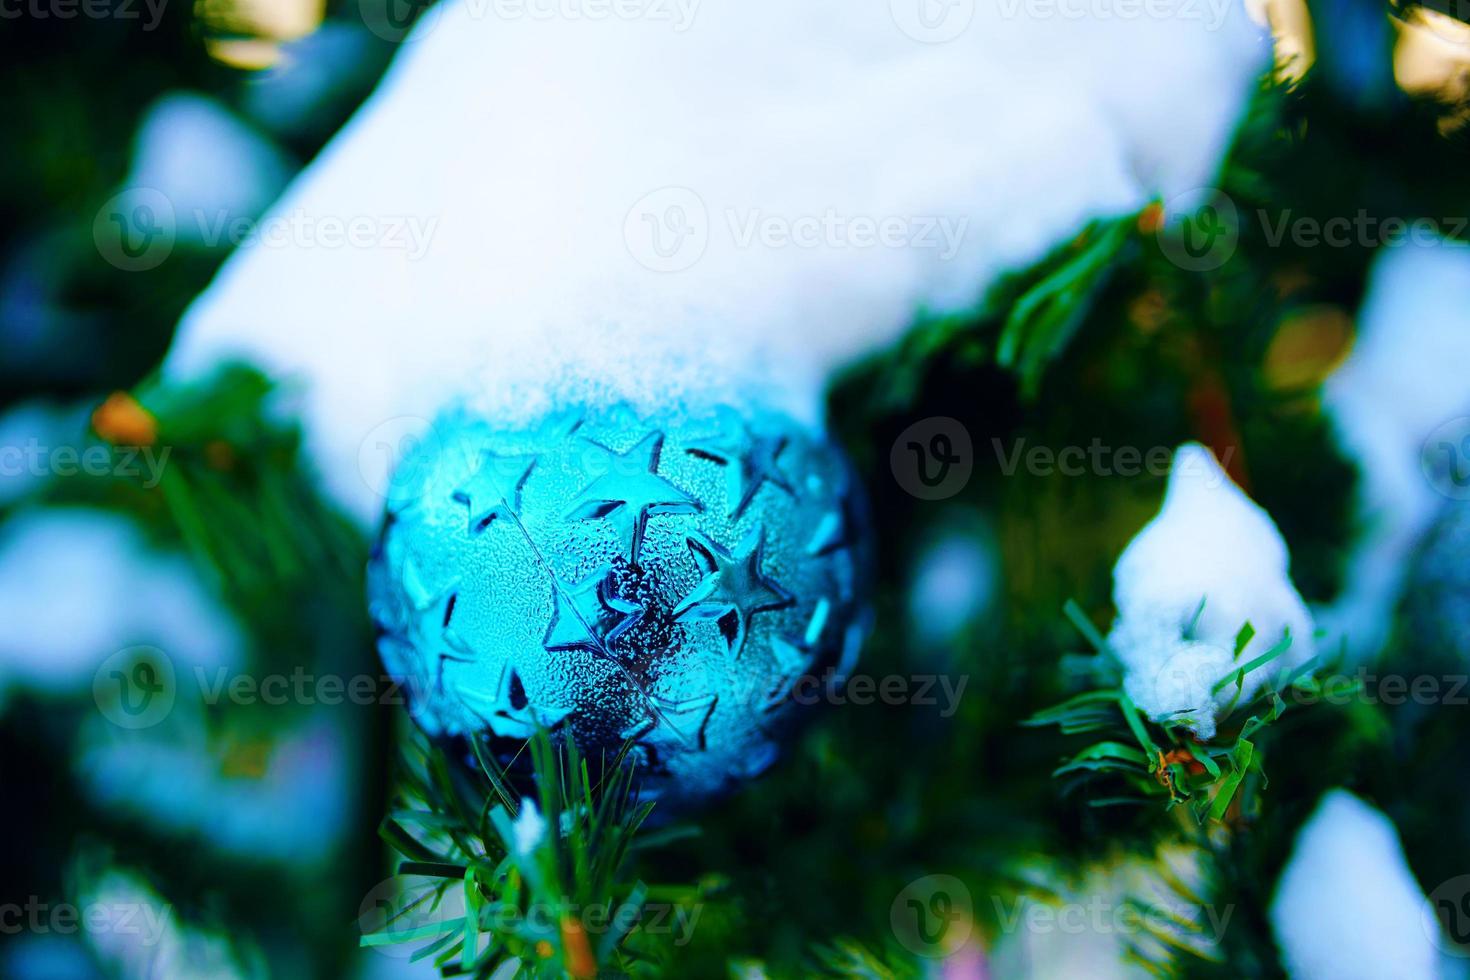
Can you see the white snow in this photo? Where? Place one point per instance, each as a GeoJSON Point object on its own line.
{"type": "Point", "coordinates": [1155, 907]}
{"type": "Point", "coordinates": [1347, 906]}
{"type": "Point", "coordinates": [142, 935]}
{"type": "Point", "coordinates": [529, 829]}
{"type": "Point", "coordinates": [1208, 542]}
{"type": "Point", "coordinates": [835, 177]}
{"type": "Point", "coordinates": [31, 434]}
{"type": "Point", "coordinates": [77, 585]}
{"type": "Point", "coordinates": [211, 166]}
{"type": "Point", "coordinates": [955, 581]}
{"type": "Point", "coordinates": [1406, 377]}
{"type": "Point", "coordinates": [296, 809]}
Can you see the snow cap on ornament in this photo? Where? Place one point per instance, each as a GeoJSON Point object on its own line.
{"type": "Point", "coordinates": [703, 215]}
{"type": "Point", "coordinates": [1210, 562]}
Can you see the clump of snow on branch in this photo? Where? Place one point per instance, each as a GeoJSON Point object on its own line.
{"type": "Point", "coordinates": [1210, 562]}
{"type": "Point", "coordinates": [671, 213]}
{"type": "Point", "coordinates": [1347, 905]}
{"type": "Point", "coordinates": [1405, 379]}
{"type": "Point", "coordinates": [1132, 916]}
{"type": "Point", "coordinates": [77, 585]}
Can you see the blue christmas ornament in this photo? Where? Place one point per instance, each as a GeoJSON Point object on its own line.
{"type": "Point", "coordinates": [683, 582]}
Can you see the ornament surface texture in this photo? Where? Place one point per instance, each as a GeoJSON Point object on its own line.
{"type": "Point", "coordinates": [683, 582]}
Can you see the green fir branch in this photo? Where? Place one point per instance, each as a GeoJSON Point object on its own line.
{"type": "Point", "coordinates": [1135, 760]}
{"type": "Point", "coordinates": [537, 883]}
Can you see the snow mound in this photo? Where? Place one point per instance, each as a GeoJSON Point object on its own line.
{"type": "Point", "coordinates": [1208, 544]}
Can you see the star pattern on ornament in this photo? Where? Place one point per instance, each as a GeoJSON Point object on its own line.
{"type": "Point", "coordinates": [817, 625]}
{"type": "Point", "coordinates": [586, 615]}
{"type": "Point", "coordinates": [836, 529]}
{"type": "Point", "coordinates": [630, 492]}
{"type": "Point", "coordinates": [793, 657]}
{"type": "Point", "coordinates": [685, 718]}
{"type": "Point", "coordinates": [504, 717]}
{"type": "Point", "coordinates": [493, 491]}
{"type": "Point", "coordinates": [749, 459]}
{"type": "Point", "coordinates": [429, 622]}
{"type": "Point", "coordinates": [733, 586]}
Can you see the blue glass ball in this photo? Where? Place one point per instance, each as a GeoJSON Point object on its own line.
{"type": "Point", "coordinates": [683, 582]}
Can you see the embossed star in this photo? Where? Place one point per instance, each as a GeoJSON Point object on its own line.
{"type": "Point", "coordinates": [792, 657]}
{"type": "Point", "coordinates": [733, 586]}
{"type": "Point", "coordinates": [685, 718]}
{"type": "Point", "coordinates": [506, 710]}
{"type": "Point", "coordinates": [494, 489]}
{"type": "Point", "coordinates": [587, 616]}
{"type": "Point", "coordinates": [836, 528]}
{"type": "Point", "coordinates": [630, 492]}
{"type": "Point", "coordinates": [749, 460]}
{"type": "Point", "coordinates": [429, 626]}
